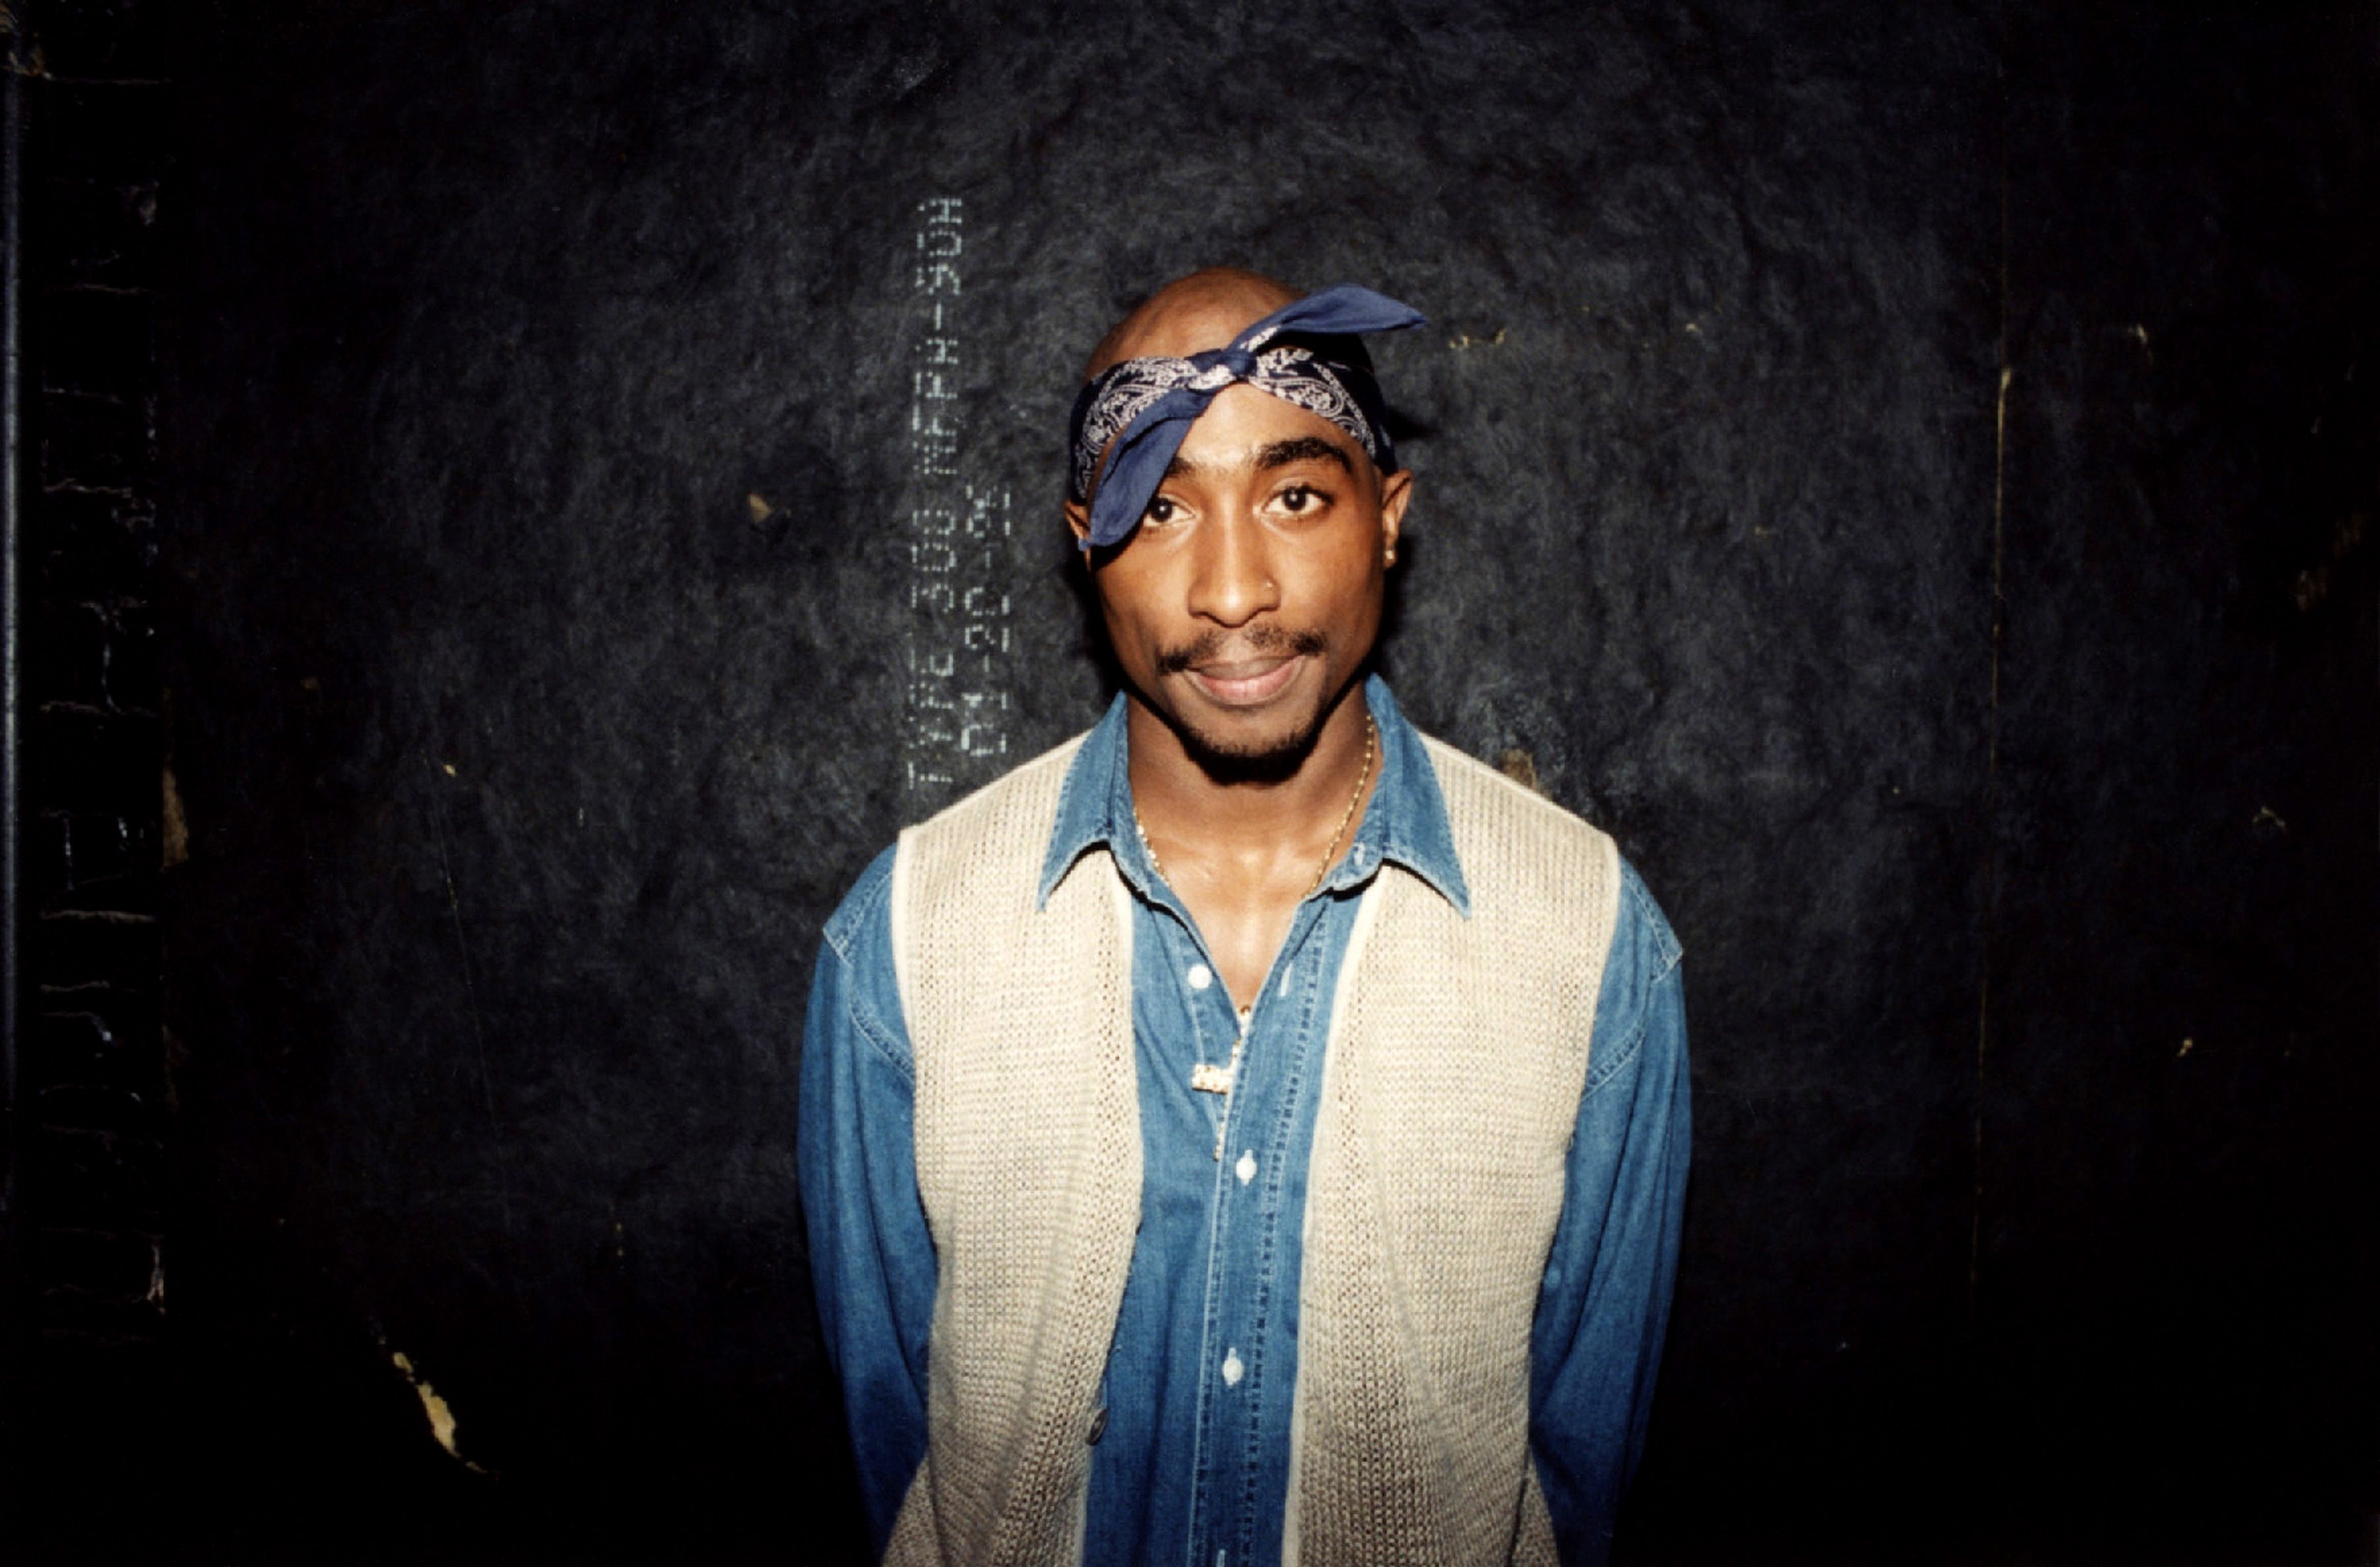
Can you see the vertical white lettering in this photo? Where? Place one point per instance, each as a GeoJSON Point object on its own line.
{"type": "Point", "coordinates": [956, 701]}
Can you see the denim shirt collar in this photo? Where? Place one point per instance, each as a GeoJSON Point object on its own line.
{"type": "Point", "coordinates": [1404, 825]}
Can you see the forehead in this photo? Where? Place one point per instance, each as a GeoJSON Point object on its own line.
{"type": "Point", "coordinates": [1243, 421]}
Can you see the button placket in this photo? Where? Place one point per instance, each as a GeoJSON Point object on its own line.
{"type": "Point", "coordinates": [1230, 1077]}
{"type": "Point", "coordinates": [1186, 956]}
{"type": "Point", "coordinates": [1276, 1074]}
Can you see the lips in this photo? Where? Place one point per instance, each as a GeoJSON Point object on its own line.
{"type": "Point", "coordinates": [1245, 683]}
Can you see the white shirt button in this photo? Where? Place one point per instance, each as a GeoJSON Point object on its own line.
{"type": "Point", "coordinates": [1247, 1168]}
{"type": "Point", "coordinates": [1200, 976]}
{"type": "Point", "coordinates": [1232, 1370]}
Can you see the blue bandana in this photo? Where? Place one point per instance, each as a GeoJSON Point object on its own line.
{"type": "Point", "coordinates": [1145, 407]}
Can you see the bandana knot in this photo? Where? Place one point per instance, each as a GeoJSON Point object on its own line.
{"type": "Point", "coordinates": [1219, 367]}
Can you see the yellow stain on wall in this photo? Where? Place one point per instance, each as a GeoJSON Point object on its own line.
{"type": "Point", "coordinates": [174, 833]}
{"type": "Point", "coordinates": [442, 1418]}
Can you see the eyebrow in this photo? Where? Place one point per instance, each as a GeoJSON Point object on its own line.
{"type": "Point", "coordinates": [1275, 454]}
{"type": "Point", "coordinates": [1305, 449]}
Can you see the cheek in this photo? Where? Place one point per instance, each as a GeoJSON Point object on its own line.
{"type": "Point", "coordinates": [1346, 586]}
{"type": "Point", "coordinates": [1127, 602]}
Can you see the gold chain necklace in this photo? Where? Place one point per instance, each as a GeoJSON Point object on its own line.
{"type": "Point", "coordinates": [1208, 1079]}
{"type": "Point", "coordinates": [1371, 748]}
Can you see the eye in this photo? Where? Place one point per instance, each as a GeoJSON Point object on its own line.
{"type": "Point", "coordinates": [1162, 508]}
{"type": "Point", "coordinates": [1299, 499]}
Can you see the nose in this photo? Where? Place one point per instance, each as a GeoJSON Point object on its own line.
{"type": "Point", "coordinates": [1232, 580]}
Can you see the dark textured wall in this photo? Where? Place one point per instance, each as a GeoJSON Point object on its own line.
{"type": "Point", "coordinates": [85, 1106]}
{"type": "Point", "coordinates": [1903, 471]}
{"type": "Point", "coordinates": [2177, 1262]}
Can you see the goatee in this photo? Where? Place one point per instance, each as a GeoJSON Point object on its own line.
{"type": "Point", "coordinates": [1227, 761]}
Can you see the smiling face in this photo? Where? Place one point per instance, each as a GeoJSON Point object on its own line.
{"type": "Point", "coordinates": [1244, 606]}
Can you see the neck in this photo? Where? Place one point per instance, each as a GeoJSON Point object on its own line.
{"type": "Point", "coordinates": [1246, 823]}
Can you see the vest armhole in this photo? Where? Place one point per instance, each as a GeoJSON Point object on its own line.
{"type": "Point", "coordinates": [1609, 847]}
{"type": "Point", "coordinates": [896, 906]}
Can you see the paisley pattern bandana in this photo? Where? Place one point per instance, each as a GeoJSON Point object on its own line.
{"type": "Point", "coordinates": [1146, 406]}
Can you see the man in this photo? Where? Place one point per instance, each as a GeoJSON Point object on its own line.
{"type": "Point", "coordinates": [1252, 1132]}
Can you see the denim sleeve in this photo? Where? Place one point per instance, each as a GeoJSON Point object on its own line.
{"type": "Point", "coordinates": [871, 1256]}
{"type": "Point", "coordinates": [1596, 1342]}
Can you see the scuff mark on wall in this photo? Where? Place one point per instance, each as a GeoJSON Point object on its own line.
{"type": "Point", "coordinates": [173, 833]}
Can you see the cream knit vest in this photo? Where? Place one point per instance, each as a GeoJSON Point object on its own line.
{"type": "Point", "coordinates": [1456, 1056]}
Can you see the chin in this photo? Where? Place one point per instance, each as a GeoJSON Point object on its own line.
{"type": "Point", "coordinates": [1269, 754]}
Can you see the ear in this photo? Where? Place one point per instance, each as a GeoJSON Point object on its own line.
{"type": "Point", "coordinates": [1078, 517]}
{"type": "Point", "coordinates": [1396, 492]}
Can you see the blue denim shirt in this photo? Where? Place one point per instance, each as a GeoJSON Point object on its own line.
{"type": "Point", "coordinates": [1192, 1465]}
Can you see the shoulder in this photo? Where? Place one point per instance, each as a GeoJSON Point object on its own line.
{"type": "Point", "coordinates": [860, 916]}
{"type": "Point", "coordinates": [1519, 851]}
{"type": "Point", "coordinates": [1019, 802]}
{"type": "Point", "coordinates": [1042, 778]}
{"type": "Point", "coordinates": [1474, 789]}
{"type": "Point", "coordinates": [1492, 814]}
{"type": "Point", "coordinates": [1640, 1017]}
{"type": "Point", "coordinates": [1642, 925]}
{"type": "Point", "coordinates": [854, 996]}
{"type": "Point", "coordinates": [981, 861]}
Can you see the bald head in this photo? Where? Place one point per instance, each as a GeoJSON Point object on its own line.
{"type": "Point", "coordinates": [1190, 315]}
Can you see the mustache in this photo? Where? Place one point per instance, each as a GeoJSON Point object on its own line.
{"type": "Point", "coordinates": [1269, 642]}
